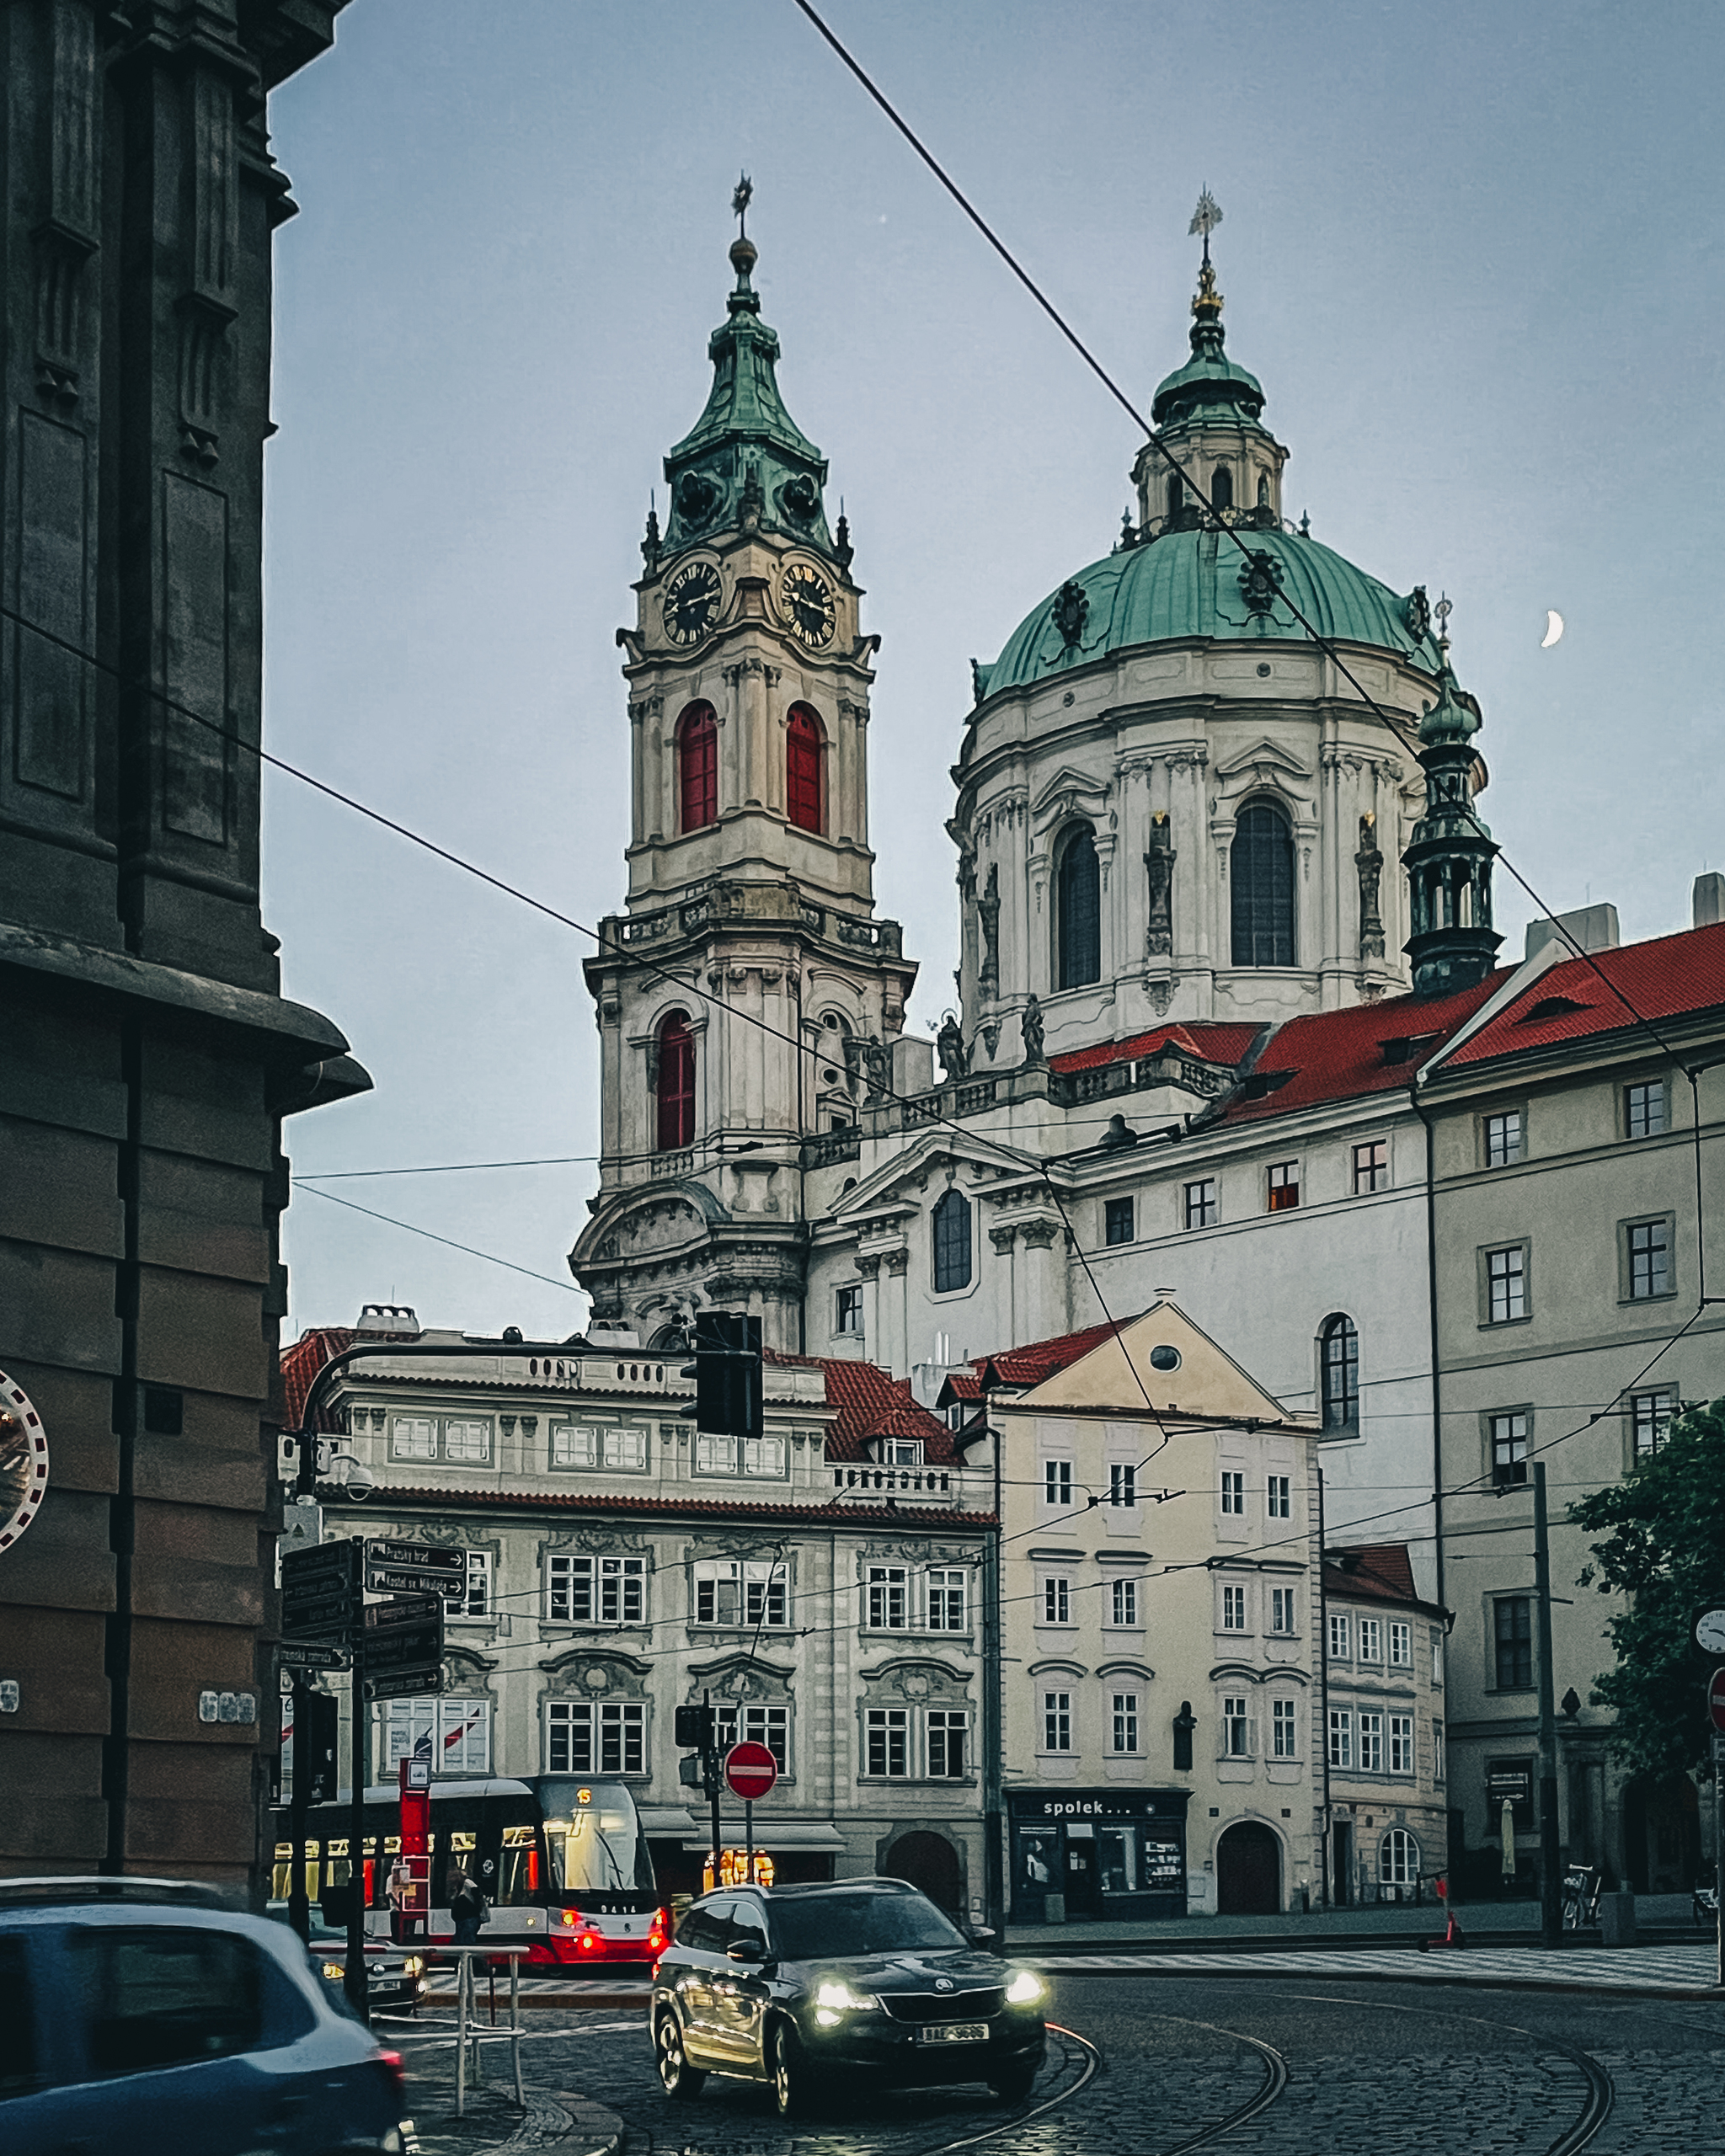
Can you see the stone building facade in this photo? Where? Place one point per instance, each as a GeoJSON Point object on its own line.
{"type": "Point", "coordinates": [823, 1584]}
{"type": "Point", "coordinates": [148, 1061]}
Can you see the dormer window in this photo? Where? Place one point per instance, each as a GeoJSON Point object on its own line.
{"type": "Point", "coordinates": [900, 1452]}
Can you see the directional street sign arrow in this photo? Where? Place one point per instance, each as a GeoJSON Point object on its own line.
{"type": "Point", "coordinates": [325, 1619]}
{"type": "Point", "coordinates": [306, 1654]}
{"type": "Point", "coordinates": [412, 1646]}
{"type": "Point", "coordinates": [403, 1684]}
{"type": "Point", "coordinates": [408, 1609]}
{"type": "Point", "coordinates": [417, 1557]}
{"type": "Point", "coordinates": [400, 1579]}
{"type": "Point", "coordinates": [342, 1557]}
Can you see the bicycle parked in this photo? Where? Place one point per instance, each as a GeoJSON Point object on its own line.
{"type": "Point", "coordinates": [1582, 1885]}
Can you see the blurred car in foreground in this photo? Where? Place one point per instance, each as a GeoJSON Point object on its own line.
{"type": "Point", "coordinates": [395, 1976]}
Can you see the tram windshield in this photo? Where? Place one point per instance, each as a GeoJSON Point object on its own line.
{"type": "Point", "coordinates": [593, 1838]}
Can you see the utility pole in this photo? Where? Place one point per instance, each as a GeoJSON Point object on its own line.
{"type": "Point", "coordinates": [994, 1893]}
{"type": "Point", "coordinates": [1550, 1880]}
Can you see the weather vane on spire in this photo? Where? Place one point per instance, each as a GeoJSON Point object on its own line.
{"type": "Point", "coordinates": [1443, 609]}
{"type": "Point", "coordinates": [1205, 219]}
{"type": "Point", "coordinates": [740, 200]}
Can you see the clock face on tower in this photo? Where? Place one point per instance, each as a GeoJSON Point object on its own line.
{"type": "Point", "coordinates": [691, 602]}
{"type": "Point", "coordinates": [806, 599]}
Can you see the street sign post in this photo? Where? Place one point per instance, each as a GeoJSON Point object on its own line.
{"type": "Point", "coordinates": [413, 1567]}
{"type": "Point", "coordinates": [403, 1684]}
{"type": "Point", "coordinates": [308, 1654]}
{"type": "Point", "coordinates": [1715, 1698]}
{"type": "Point", "coordinates": [750, 1771]}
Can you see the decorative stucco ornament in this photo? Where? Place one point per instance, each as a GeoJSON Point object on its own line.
{"type": "Point", "coordinates": [24, 1461]}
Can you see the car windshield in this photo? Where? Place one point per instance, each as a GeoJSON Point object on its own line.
{"type": "Point", "coordinates": [843, 1925]}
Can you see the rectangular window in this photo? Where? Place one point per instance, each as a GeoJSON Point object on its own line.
{"type": "Point", "coordinates": [764, 1456]}
{"type": "Point", "coordinates": [1057, 1482]}
{"type": "Point", "coordinates": [1202, 1208]}
{"type": "Point", "coordinates": [1233, 1609]}
{"type": "Point", "coordinates": [899, 1452]}
{"type": "Point", "coordinates": [1282, 1731]}
{"type": "Point", "coordinates": [888, 1742]}
{"type": "Point", "coordinates": [730, 1592]}
{"type": "Point", "coordinates": [582, 1737]}
{"type": "Point", "coordinates": [1125, 1721]}
{"type": "Point", "coordinates": [1056, 1599]}
{"type": "Point", "coordinates": [1644, 1109]}
{"type": "Point", "coordinates": [1277, 1497]}
{"type": "Point", "coordinates": [572, 1446]}
{"type": "Point", "coordinates": [889, 1598]}
{"type": "Point", "coordinates": [1649, 1415]}
{"type": "Point", "coordinates": [1122, 1483]}
{"type": "Point", "coordinates": [1123, 1601]}
{"type": "Point", "coordinates": [1236, 1729]}
{"type": "Point", "coordinates": [757, 1725]}
{"type": "Point", "coordinates": [477, 1601]}
{"type": "Point", "coordinates": [1234, 1492]}
{"type": "Point", "coordinates": [714, 1455]}
{"type": "Point", "coordinates": [949, 1739]}
{"type": "Point", "coordinates": [946, 1599]}
{"type": "Point", "coordinates": [1371, 1639]}
{"type": "Point", "coordinates": [1437, 1641]}
{"type": "Point", "coordinates": [1282, 1187]}
{"type": "Point", "coordinates": [1338, 1637]}
{"type": "Point", "coordinates": [1437, 1751]}
{"type": "Point", "coordinates": [460, 1731]}
{"type": "Point", "coordinates": [1506, 1284]}
{"type": "Point", "coordinates": [1117, 1221]}
{"type": "Point", "coordinates": [413, 1437]}
{"type": "Point", "coordinates": [1401, 1744]}
{"type": "Point", "coordinates": [1282, 1610]}
{"type": "Point", "coordinates": [626, 1449]}
{"type": "Point", "coordinates": [847, 1310]}
{"type": "Point", "coordinates": [1057, 1721]}
{"type": "Point", "coordinates": [1401, 1646]}
{"type": "Point", "coordinates": [1371, 1166]}
{"type": "Point", "coordinates": [1340, 1737]}
{"type": "Point", "coordinates": [595, 1590]}
{"type": "Point", "coordinates": [1503, 1138]}
{"type": "Point", "coordinates": [1649, 1250]}
{"type": "Point", "coordinates": [1508, 1450]}
{"type": "Point", "coordinates": [1371, 1743]}
{"type": "Point", "coordinates": [466, 1441]}
{"type": "Point", "coordinates": [1512, 1626]}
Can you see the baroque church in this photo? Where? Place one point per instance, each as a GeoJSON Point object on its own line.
{"type": "Point", "coordinates": [1178, 827]}
{"type": "Point", "coordinates": [1235, 1036]}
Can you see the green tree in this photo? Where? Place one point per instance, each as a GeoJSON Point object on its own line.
{"type": "Point", "coordinates": [1659, 1540]}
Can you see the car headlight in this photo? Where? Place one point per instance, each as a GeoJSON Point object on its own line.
{"type": "Point", "coordinates": [836, 1996]}
{"type": "Point", "coordinates": [413, 1966]}
{"type": "Point", "coordinates": [1025, 1989]}
{"type": "Point", "coordinates": [334, 1971]}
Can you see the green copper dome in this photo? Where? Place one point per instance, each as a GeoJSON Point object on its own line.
{"type": "Point", "coordinates": [1199, 584]}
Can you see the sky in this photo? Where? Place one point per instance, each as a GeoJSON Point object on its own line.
{"type": "Point", "coordinates": [1473, 254]}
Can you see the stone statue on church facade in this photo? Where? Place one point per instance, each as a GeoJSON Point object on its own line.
{"type": "Point", "coordinates": [1370, 862]}
{"type": "Point", "coordinates": [949, 1047]}
{"type": "Point", "coordinates": [1032, 1027]}
{"type": "Point", "coordinates": [1159, 867]}
{"type": "Point", "coordinates": [988, 908]}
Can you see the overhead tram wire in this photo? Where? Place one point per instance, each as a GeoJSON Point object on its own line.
{"type": "Point", "coordinates": [441, 1168]}
{"type": "Point", "coordinates": [1323, 642]}
{"type": "Point", "coordinates": [569, 1286]}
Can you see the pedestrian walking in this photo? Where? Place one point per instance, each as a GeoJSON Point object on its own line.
{"type": "Point", "coordinates": [466, 1905]}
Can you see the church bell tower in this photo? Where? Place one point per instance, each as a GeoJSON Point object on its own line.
{"type": "Point", "coordinates": [747, 992]}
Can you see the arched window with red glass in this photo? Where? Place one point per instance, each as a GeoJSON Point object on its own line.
{"type": "Point", "coordinates": [675, 1125]}
{"type": "Point", "coordinates": [805, 745]}
{"type": "Point", "coordinates": [697, 767]}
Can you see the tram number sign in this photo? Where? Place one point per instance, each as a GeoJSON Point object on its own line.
{"type": "Point", "coordinates": [750, 1771]}
{"type": "Point", "coordinates": [1715, 1697]}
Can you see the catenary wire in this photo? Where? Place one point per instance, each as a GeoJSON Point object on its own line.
{"type": "Point", "coordinates": [569, 1286]}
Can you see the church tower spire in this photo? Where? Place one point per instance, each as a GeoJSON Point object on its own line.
{"type": "Point", "coordinates": [1449, 859]}
{"type": "Point", "coordinates": [748, 992]}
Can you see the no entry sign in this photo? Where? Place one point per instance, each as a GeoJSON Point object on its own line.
{"type": "Point", "coordinates": [750, 1770]}
{"type": "Point", "coordinates": [1716, 1705]}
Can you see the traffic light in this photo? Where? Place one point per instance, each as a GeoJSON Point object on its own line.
{"type": "Point", "coordinates": [694, 1728]}
{"type": "Point", "coordinates": [727, 1373]}
{"type": "Point", "coordinates": [319, 1716]}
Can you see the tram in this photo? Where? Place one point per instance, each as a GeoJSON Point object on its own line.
{"type": "Point", "coordinates": [562, 1862]}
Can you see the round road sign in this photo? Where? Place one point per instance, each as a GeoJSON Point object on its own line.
{"type": "Point", "coordinates": [1716, 1701]}
{"type": "Point", "coordinates": [750, 1770]}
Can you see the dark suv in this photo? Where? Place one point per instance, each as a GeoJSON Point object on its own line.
{"type": "Point", "coordinates": [803, 1986]}
{"type": "Point", "coordinates": [149, 2015]}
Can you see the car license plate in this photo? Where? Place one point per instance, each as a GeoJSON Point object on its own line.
{"type": "Point", "coordinates": [952, 2033]}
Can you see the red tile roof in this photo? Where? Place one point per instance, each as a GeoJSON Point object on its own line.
{"type": "Point", "coordinates": [1372, 1572]}
{"type": "Point", "coordinates": [301, 1363]}
{"type": "Point", "coordinates": [1042, 1358]}
{"type": "Point", "coordinates": [1668, 978]}
{"type": "Point", "coordinates": [1223, 1044]}
{"type": "Point", "coordinates": [1339, 1056]}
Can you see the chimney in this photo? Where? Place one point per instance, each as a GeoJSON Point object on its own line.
{"type": "Point", "coordinates": [1594, 928]}
{"type": "Point", "coordinates": [1709, 899]}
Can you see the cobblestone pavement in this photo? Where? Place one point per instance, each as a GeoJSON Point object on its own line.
{"type": "Point", "coordinates": [1670, 1969]}
{"type": "Point", "coordinates": [1392, 2066]}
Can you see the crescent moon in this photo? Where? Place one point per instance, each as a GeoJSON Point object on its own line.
{"type": "Point", "coordinates": [1554, 629]}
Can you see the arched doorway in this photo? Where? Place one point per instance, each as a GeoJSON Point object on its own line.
{"type": "Point", "coordinates": [1248, 1871]}
{"type": "Point", "coordinates": [931, 1862]}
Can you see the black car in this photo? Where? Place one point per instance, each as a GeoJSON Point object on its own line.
{"type": "Point", "coordinates": [804, 1986]}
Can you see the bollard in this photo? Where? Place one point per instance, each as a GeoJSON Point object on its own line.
{"type": "Point", "coordinates": [1617, 1918]}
